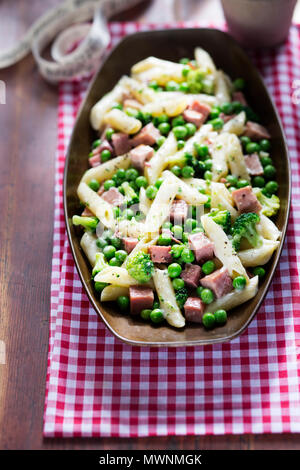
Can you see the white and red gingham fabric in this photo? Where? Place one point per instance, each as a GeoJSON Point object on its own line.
{"type": "Point", "coordinates": [98, 386]}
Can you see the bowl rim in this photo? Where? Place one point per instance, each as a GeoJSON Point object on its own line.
{"type": "Point", "coordinates": [180, 343]}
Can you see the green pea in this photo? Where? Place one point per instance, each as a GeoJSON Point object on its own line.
{"type": "Point", "coordinates": [172, 86]}
{"type": "Point", "coordinates": [208, 320]}
{"type": "Point", "coordinates": [207, 296]}
{"type": "Point", "coordinates": [96, 143]}
{"type": "Point", "coordinates": [269, 171]}
{"type": "Point", "coordinates": [178, 121]}
{"type": "Point", "coordinates": [232, 188]}
{"type": "Point", "coordinates": [208, 267]}
{"type": "Point", "coordinates": [259, 271]}
{"type": "Point", "coordinates": [237, 107]}
{"type": "Point", "coordinates": [239, 84]}
{"type": "Point", "coordinates": [208, 175]}
{"type": "Point", "coordinates": [153, 84]}
{"type": "Point", "coordinates": [242, 183]}
{"type": "Point", "coordinates": [184, 87]}
{"type": "Point", "coordinates": [167, 225]}
{"type": "Point", "coordinates": [214, 113]}
{"type": "Point", "coordinates": [188, 171]}
{"type": "Point", "coordinates": [105, 155]}
{"type": "Point", "coordinates": [208, 164]}
{"type": "Point", "coordinates": [158, 183]}
{"type": "Point", "coordinates": [109, 184]}
{"type": "Point", "coordinates": [245, 140]}
{"type": "Point", "coordinates": [174, 270]}
{"type": "Point", "coordinates": [265, 145]}
{"type": "Point", "coordinates": [132, 112]}
{"type": "Point", "coordinates": [180, 144]}
{"type": "Point", "coordinates": [217, 123]}
{"type": "Point", "coordinates": [164, 239]}
{"type": "Point", "coordinates": [121, 255]}
{"type": "Point", "coordinates": [178, 283]}
{"type": "Point", "coordinates": [191, 128]}
{"type": "Point", "coordinates": [116, 242]}
{"type": "Point", "coordinates": [155, 304]}
{"type": "Point", "coordinates": [99, 286]}
{"type": "Point", "coordinates": [232, 180]}
{"type": "Point", "coordinates": [151, 192]}
{"type": "Point", "coordinates": [177, 231]}
{"type": "Point", "coordinates": [141, 182]}
{"type": "Point", "coordinates": [94, 185]}
{"type": "Point", "coordinates": [252, 147]}
{"type": "Point", "coordinates": [185, 71]}
{"type": "Point", "coordinates": [190, 224]}
{"type": "Point", "coordinates": [220, 316]}
{"type": "Point", "coordinates": [131, 174]}
{"type": "Point", "coordinates": [259, 181]}
{"type": "Point", "coordinates": [123, 302]}
{"type": "Point", "coordinates": [114, 262]}
{"type": "Point", "coordinates": [157, 315]}
{"type": "Point", "coordinates": [101, 243]}
{"type": "Point", "coordinates": [197, 230]}
{"type": "Point", "coordinates": [184, 61]}
{"type": "Point", "coordinates": [109, 133]}
{"type": "Point", "coordinates": [109, 251]}
{"type": "Point", "coordinates": [117, 106]}
{"type": "Point", "coordinates": [176, 251]}
{"type": "Point", "coordinates": [121, 174]}
{"type": "Point", "coordinates": [128, 214]}
{"type": "Point", "coordinates": [164, 128]}
{"type": "Point", "coordinates": [145, 314]}
{"type": "Point", "coordinates": [227, 108]}
{"type": "Point", "coordinates": [116, 211]}
{"type": "Point", "coordinates": [180, 132]}
{"type": "Point", "coordinates": [271, 187]}
{"type": "Point", "coordinates": [239, 282]}
{"type": "Point", "coordinates": [161, 140]}
{"type": "Point", "coordinates": [185, 237]}
{"type": "Point", "coordinates": [187, 256]}
{"type": "Point", "coordinates": [202, 150]}
{"type": "Point", "coordinates": [199, 290]}
{"type": "Point", "coordinates": [176, 170]}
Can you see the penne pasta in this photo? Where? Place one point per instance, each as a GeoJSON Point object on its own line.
{"type": "Point", "coordinates": [258, 256]}
{"type": "Point", "coordinates": [236, 125]}
{"type": "Point", "coordinates": [96, 205]}
{"type": "Point", "coordinates": [159, 162]}
{"type": "Point", "coordinates": [235, 157]}
{"type": "Point", "coordinates": [204, 61]}
{"type": "Point", "coordinates": [111, 293]}
{"type": "Point", "coordinates": [105, 104]}
{"type": "Point", "coordinates": [235, 298]}
{"type": "Point", "coordinates": [167, 298]}
{"type": "Point", "coordinates": [222, 91]}
{"type": "Point", "coordinates": [222, 199]}
{"type": "Point", "coordinates": [185, 191]}
{"type": "Point", "coordinates": [122, 122]}
{"type": "Point", "coordinates": [267, 228]}
{"type": "Point", "coordinates": [107, 169]}
{"type": "Point", "coordinates": [88, 244]}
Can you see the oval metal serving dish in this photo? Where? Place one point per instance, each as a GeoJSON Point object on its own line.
{"type": "Point", "coordinates": [172, 45]}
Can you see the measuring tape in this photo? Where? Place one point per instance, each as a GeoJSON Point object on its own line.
{"type": "Point", "coordinates": [91, 39]}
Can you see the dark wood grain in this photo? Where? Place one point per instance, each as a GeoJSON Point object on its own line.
{"type": "Point", "coordinates": [27, 152]}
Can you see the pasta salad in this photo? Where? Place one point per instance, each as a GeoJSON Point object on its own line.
{"type": "Point", "coordinates": [178, 202]}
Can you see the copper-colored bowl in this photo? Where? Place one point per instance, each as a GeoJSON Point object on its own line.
{"type": "Point", "coordinates": [173, 44]}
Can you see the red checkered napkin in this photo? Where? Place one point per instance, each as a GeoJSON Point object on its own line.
{"type": "Point", "coordinates": [98, 386]}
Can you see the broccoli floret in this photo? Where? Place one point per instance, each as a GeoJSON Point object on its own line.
{"type": "Point", "coordinates": [140, 266]}
{"type": "Point", "coordinates": [181, 296]}
{"type": "Point", "coordinates": [99, 265]}
{"type": "Point", "coordinates": [130, 195]}
{"type": "Point", "coordinates": [245, 227]}
{"type": "Point", "coordinates": [270, 205]}
{"type": "Point", "coordinates": [89, 223]}
{"type": "Point", "coordinates": [222, 218]}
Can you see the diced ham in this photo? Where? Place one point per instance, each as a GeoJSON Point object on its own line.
{"type": "Point", "coordinates": [253, 164]}
{"type": "Point", "coordinates": [194, 309]}
{"type": "Point", "coordinates": [256, 131]}
{"type": "Point", "coordinates": [194, 117]}
{"type": "Point", "coordinates": [202, 108]}
{"type": "Point", "coordinates": [148, 135]}
{"type": "Point", "coordinates": [140, 298]}
{"type": "Point", "coordinates": [121, 143]}
{"type": "Point", "coordinates": [105, 145]}
{"type": "Point", "coordinates": [87, 213]}
{"type": "Point", "coordinates": [219, 282]}
{"type": "Point", "coordinates": [140, 154]}
{"type": "Point", "coordinates": [95, 160]}
{"type": "Point", "coordinates": [240, 97]}
{"type": "Point", "coordinates": [245, 200]}
{"type": "Point", "coordinates": [191, 275]}
{"type": "Point", "coordinates": [160, 254]}
{"type": "Point", "coordinates": [226, 117]}
{"type": "Point", "coordinates": [129, 243]}
{"type": "Point", "coordinates": [96, 151]}
{"type": "Point", "coordinates": [202, 247]}
{"type": "Point", "coordinates": [113, 197]}
{"type": "Point", "coordinates": [101, 190]}
{"type": "Point", "coordinates": [131, 103]}
{"type": "Point", "coordinates": [178, 211]}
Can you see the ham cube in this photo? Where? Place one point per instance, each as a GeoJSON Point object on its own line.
{"type": "Point", "coordinates": [95, 160]}
{"type": "Point", "coordinates": [140, 298]}
{"type": "Point", "coordinates": [147, 136]}
{"type": "Point", "coordinates": [113, 197]}
{"type": "Point", "coordinates": [253, 164]}
{"type": "Point", "coordinates": [219, 282]}
{"type": "Point", "coordinates": [121, 143]}
{"type": "Point", "coordinates": [194, 117]}
{"type": "Point", "coordinates": [191, 275]}
{"type": "Point", "coordinates": [226, 117]}
{"type": "Point", "coordinates": [245, 200]}
{"type": "Point", "coordinates": [178, 211]}
{"type": "Point", "coordinates": [130, 243]}
{"type": "Point", "coordinates": [202, 108]}
{"type": "Point", "coordinates": [87, 213]}
{"type": "Point", "coordinates": [255, 131]}
{"type": "Point", "coordinates": [202, 247]}
{"type": "Point", "coordinates": [140, 154]}
{"type": "Point", "coordinates": [240, 97]}
{"type": "Point", "coordinates": [131, 103]}
{"type": "Point", "coordinates": [160, 254]}
{"type": "Point", "coordinates": [194, 309]}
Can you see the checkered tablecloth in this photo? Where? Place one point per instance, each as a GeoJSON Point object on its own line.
{"type": "Point", "coordinates": [98, 386]}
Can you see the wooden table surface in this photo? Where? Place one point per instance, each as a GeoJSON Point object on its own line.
{"type": "Point", "coordinates": [27, 150]}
